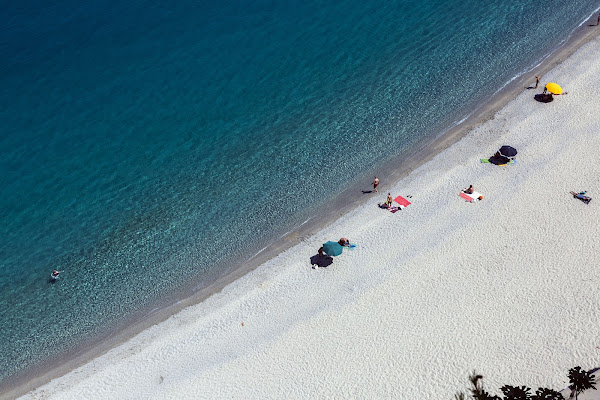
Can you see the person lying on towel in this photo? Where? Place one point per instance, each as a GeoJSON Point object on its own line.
{"type": "Point", "coordinates": [582, 196]}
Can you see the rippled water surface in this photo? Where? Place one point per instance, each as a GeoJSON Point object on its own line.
{"type": "Point", "coordinates": [138, 137]}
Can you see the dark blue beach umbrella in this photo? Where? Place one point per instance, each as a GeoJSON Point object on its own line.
{"type": "Point", "coordinates": [332, 248]}
{"type": "Point", "coordinates": [508, 151]}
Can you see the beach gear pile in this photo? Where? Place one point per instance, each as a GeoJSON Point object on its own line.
{"type": "Point", "coordinates": [550, 89]}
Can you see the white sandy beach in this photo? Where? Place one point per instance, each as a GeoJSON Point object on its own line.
{"type": "Point", "coordinates": [508, 286]}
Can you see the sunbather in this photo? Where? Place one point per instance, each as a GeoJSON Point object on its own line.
{"type": "Point", "coordinates": [581, 196]}
{"type": "Point", "coordinates": [469, 190]}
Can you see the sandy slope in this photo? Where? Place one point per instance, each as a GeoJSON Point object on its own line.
{"type": "Point", "coordinates": [508, 286]}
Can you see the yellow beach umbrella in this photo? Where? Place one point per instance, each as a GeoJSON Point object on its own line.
{"type": "Point", "coordinates": [554, 88]}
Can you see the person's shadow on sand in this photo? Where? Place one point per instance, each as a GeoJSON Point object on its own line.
{"type": "Point", "coordinates": [321, 261]}
{"type": "Point", "coordinates": [367, 191]}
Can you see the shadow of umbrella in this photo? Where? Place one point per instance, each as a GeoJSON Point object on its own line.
{"type": "Point", "coordinates": [321, 261]}
{"type": "Point", "coordinates": [499, 160]}
{"type": "Point", "coordinates": [544, 98]}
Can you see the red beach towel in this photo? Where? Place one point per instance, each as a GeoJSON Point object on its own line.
{"type": "Point", "coordinates": [402, 201]}
{"type": "Point", "coordinates": [465, 196]}
{"type": "Point", "coordinates": [471, 197]}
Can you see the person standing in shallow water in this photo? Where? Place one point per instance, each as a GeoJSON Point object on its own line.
{"type": "Point", "coordinates": [375, 184]}
{"type": "Point", "coordinates": [55, 274]}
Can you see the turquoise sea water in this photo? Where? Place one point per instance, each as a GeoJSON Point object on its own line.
{"type": "Point", "coordinates": [138, 138]}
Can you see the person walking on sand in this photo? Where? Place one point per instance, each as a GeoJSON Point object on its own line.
{"type": "Point", "coordinates": [375, 184]}
{"type": "Point", "coordinates": [537, 81]}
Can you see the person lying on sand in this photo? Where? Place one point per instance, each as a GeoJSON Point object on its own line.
{"type": "Point", "coordinates": [581, 196]}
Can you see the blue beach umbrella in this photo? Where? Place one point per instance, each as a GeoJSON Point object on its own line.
{"type": "Point", "coordinates": [332, 248]}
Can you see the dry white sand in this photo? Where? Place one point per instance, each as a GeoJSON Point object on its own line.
{"type": "Point", "coordinates": [508, 286]}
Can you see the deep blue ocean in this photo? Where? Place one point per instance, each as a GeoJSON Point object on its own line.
{"type": "Point", "coordinates": [145, 145]}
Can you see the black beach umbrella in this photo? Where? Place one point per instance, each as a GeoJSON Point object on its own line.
{"type": "Point", "coordinates": [508, 151]}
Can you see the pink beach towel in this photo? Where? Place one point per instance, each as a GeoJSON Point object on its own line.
{"type": "Point", "coordinates": [402, 201]}
{"type": "Point", "coordinates": [465, 196]}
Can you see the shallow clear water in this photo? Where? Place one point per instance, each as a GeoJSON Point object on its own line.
{"type": "Point", "coordinates": [137, 139]}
